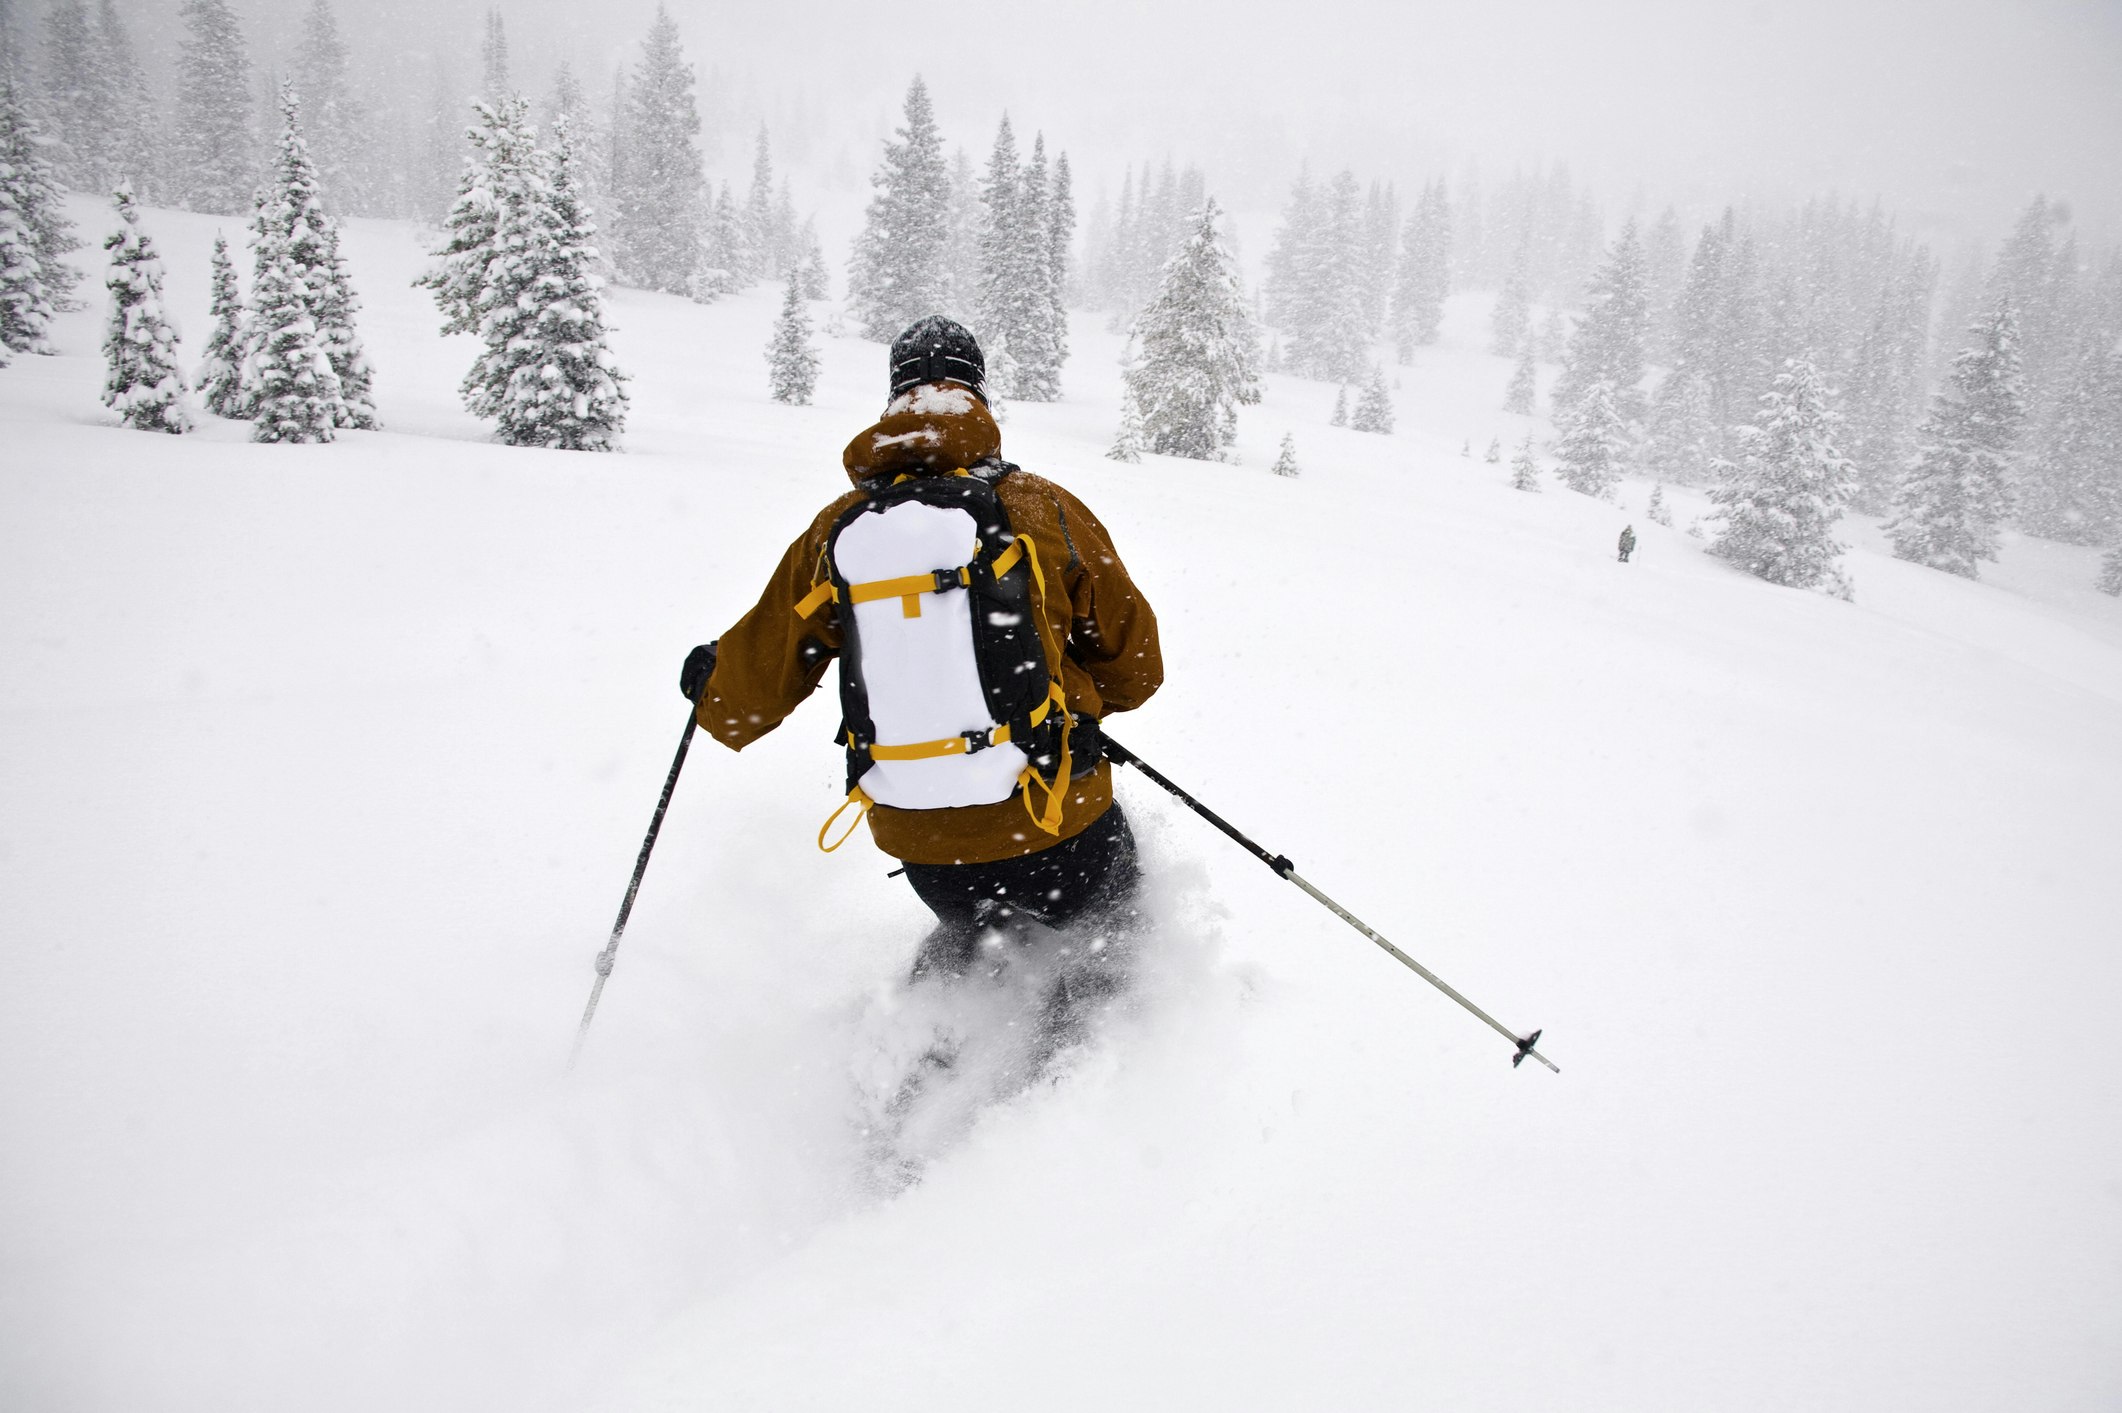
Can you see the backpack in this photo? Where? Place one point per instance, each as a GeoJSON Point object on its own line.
{"type": "Point", "coordinates": [950, 680]}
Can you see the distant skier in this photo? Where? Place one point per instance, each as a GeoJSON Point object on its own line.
{"type": "Point", "coordinates": [984, 623]}
{"type": "Point", "coordinates": [1628, 541]}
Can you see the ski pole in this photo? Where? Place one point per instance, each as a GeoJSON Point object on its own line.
{"type": "Point", "coordinates": [655, 824]}
{"type": "Point", "coordinates": [1283, 867]}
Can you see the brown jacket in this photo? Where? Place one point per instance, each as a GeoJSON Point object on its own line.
{"type": "Point", "coordinates": [772, 659]}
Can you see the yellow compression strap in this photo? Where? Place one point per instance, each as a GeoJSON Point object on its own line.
{"type": "Point", "coordinates": [954, 745]}
{"type": "Point", "coordinates": [862, 804]}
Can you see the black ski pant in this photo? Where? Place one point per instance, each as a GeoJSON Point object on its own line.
{"type": "Point", "coordinates": [1085, 884]}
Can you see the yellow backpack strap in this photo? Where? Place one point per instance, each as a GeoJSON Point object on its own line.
{"type": "Point", "coordinates": [820, 594]}
{"type": "Point", "coordinates": [1048, 820]}
{"type": "Point", "coordinates": [862, 803]}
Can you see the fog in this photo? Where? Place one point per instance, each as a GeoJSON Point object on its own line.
{"type": "Point", "coordinates": [1954, 114]}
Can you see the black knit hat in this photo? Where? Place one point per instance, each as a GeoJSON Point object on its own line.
{"type": "Point", "coordinates": [938, 350]}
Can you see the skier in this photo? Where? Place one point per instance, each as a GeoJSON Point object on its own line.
{"type": "Point", "coordinates": [1628, 541]}
{"type": "Point", "coordinates": [986, 862]}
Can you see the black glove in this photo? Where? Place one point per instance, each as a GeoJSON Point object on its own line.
{"type": "Point", "coordinates": [699, 666]}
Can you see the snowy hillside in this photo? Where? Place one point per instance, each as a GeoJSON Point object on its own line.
{"type": "Point", "coordinates": [323, 768]}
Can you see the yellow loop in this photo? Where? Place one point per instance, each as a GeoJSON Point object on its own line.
{"type": "Point", "coordinates": [854, 797]}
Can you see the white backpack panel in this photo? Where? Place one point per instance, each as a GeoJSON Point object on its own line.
{"type": "Point", "coordinates": [921, 674]}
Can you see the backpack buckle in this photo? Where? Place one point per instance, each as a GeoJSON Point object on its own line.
{"type": "Point", "coordinates": [948, 579]}
{"type": "Point", "coordinates": [977, 741]}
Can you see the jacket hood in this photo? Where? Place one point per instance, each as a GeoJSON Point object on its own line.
{"type": "Point", "coordinates": [928, 430]}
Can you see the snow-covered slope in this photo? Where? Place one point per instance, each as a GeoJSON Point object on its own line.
{"type": "Point", "coordinates": [321, 771]}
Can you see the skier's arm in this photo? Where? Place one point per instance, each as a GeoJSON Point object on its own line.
{"type": "Point", "coordinates": [772, 659]}
{"type": "Point", "coordinates": [1114, 630]}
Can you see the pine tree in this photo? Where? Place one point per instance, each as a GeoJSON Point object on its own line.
{"type": "Point", "coordinates": [897, 274]}
{"type": "Point", "coordinates": [1199, 359]}
{"type": "Point", "coordinates": [1340, 415]}
{"type": "Point", "coordinates": [2066, 489]}
{"type": "Point", "coordinates": [213, 143]}
{"type": "Point", "coordinates": [493, 59]}
{"type": "Point", "coordinates": [1317, 282]}
{"type": "Point", "coordinates": [547, 377]}
{"type": "Point", "coordinates": [660, 192]}
{"type": "Point", "coordinates": [74, 100]}
{"type": "Point", "coordinates": [1956, 494]}
{"type": "Point", "coordinates": [1038, 343]}
{"type": "Point", "coordinates": [1683, 443]}
{"type": "Point", "coordinates": [336, 305]}
{"type": "Point", "coordinates": [1425, 273]}
{"type": "Point", "coordinates": [1657, 511]}
{"type": "Point", "coordinates": [1524, 470]}
{"type": "Point", "coordinates": [336, 124]}
{"type": "Point", "coordinates": [1607, 346]}
{"type": "Point", "coordinates": [220, 380]}
{"type": "Point", "coordinates": [1591, 448]}
{"type": "Point", "coordinates": [1374, 409]}
{"type": "Point", "coordinates": [1510, 323]}
{"type": "Point", "coordinates": [762, 257]}
{"type": "Point", "coordinates": [1060, 238]}
{"type": "Point", "coordinates": [1524, 378]}
{"type": "Point", "coordinates": [1127, 442]}
{"type": "Point", "coordinates": [1286, 459]}
{"type": "Point", "coordinates": [723, 251]}
{"type": "Point", "coordinates": [2110, 580]}
{"type": "Point", "coordinates": [569, 102]}
{"type": "Point", "coordinates": [34, 234]}
{"type": "Point", "coordinates": [791, 362]}
{"type": "Point", "coordinates": [1780, 500]}
{"type": "Point", "coordinates": [143, 385]}
{"type": "Point", "coordinates": [817, 283]}
{"type": "Point", "coordinates": [1494, 455]}
{"type": "Point", "coordinates": [459, 278]}
{"type": "Point", "coordinates": [133, 141]}
{"type": "Point", "coordinates": [289, 382]}
{"type": "Point", "coordinates": [293, 222]}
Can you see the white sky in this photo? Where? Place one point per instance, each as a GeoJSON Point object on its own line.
{"type": "Point", "coordinates": [1955, 111]}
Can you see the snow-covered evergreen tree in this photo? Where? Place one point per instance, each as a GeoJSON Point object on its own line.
{"type": "Point", "coordinates": [1039, 342]}
{"type": "Point", "coordinates": [1607, 346]}
{"type": "Point", "coordinates": [292, 224]}
{"type": "Point", "coordinates": [1683, 442]}
{"type": "Point", "coordinates": [810, 269]}
{"type": "Point", "coordinates": [143, 383]}
{"type": "Point", "coordinates": [660, 192]}
{"type": "Point", "coordinates": [724, 249]}
{"type": "Point", "coordinates": [494, 83]}
{"type": "Point", "coordinates": [1340, 413]}
{"type": "Point", "coordinates": [74, 100]}
{"type": "Point", "coordinates": [1199, 353]}
{"type": "Point", "coordinates": [1657, 511]}
{"type": "Point", "coordinates": [791, 362]}
{"type": "Point", "coordinates": [1591, 448]}
{"type": "Point", "coordinates": [1780, 499]}
{"type": "Point", "coordinates": [765, 254]}
{"type": "Point", "coordinates": [501, 152]}
{"type": "Point", "coordinates": [547, 377]}
{"type": "Point", "coordinates": [570, 102]}
{"type": "Point", "coordinates": [1373, 411]}
{"type": "Point", "coordinates": [1425, 273]}
{"type": "Point", "coordinates": [39, 288]}
{"type": "Point", "coordinates": [2068, 488]}
{"type": "Point", "coordinates": [1127, 442]}
{"type": "Point", "coordinates": [133, 138]}
{"type": "Point", "coordinates": [1286, 458]}
{"type": "Point", "coordinates": [1524, 469]}
{"type": "Point", "coordinates": [1494, 454]}
{"type": "Point", "coordinates": [335, 122]}
{"type": "Point", "coordinates": [220, 380]}
{"type": "Point", "coordinates": [289, 383]}
{"type": "Point", "coordinates": [336, 305]}
{"type": "Point", "coordinates": [2110, 580]}
{"type": "Point", "coordinates": [1956, 494]}
{"type": "Point", "coordinates": [1524, 379]}
{"type": "Point", "coordinates": [212, 146]}
{"type": "Point", "coordinates": [898, 273]}
{"type": "Point", "coordinates": [1314, 291]}
{"type": "Point", "coordinates": [1510, 323]}
{"type": "Point", "coordinates": [1060, 238]}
